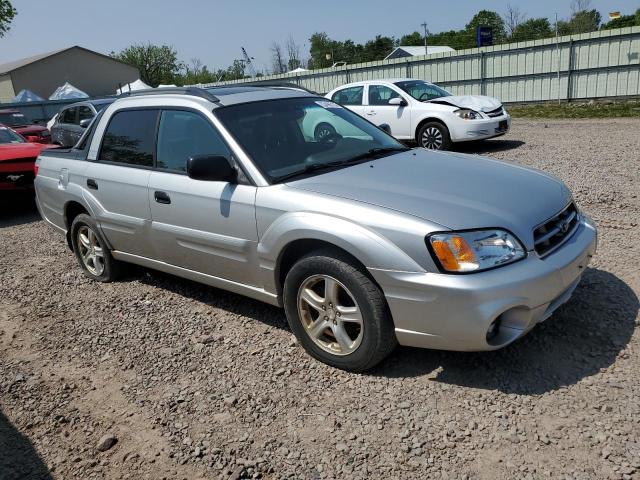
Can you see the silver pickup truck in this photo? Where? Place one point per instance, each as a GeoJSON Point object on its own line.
{"type": "Point", "coordinates": [365, 242]}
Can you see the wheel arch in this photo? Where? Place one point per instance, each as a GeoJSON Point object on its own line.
{"type": "Point", "coordinates": [296, 234]}
{"type": "Point", "coordinates": [72, 209]}
{"type": "Point", "coordinates": [425, 120]}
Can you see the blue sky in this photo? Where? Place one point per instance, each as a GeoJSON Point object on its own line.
{"type": "Point", "coordinates": [214, 30]}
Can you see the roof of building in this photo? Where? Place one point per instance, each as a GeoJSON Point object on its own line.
{"type": "Point", "coordinates": [418, 51]}
{"type": "Point", "coordinates": [23, 62]}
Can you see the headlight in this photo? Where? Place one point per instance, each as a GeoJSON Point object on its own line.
{"type": "Point", "coordinates": [467, 114]}
{"type": "Point", "coordinates": [472, 251]}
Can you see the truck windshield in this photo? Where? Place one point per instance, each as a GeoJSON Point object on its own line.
{"type": "Point", "coordinates": [13, 119]}
{"type": "Point", "coordinates": [9, 136]}
{"type": "Point", "coordinates": [287, 137]}
{"type": "Point", "coordinates": [422, 91]}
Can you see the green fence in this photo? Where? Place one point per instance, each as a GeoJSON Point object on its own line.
{"type": "Point", "coordinates": [592, 65]}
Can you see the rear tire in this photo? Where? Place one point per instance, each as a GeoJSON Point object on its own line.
{"type": "Point", "coordinates": [337, 313]}
{"type": "Point", "coordinates": [434, 136]}
{"type": "Point", "coordinates": [91, 251]}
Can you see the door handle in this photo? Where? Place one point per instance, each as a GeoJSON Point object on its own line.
{"type": "Point", "coordinates": [371, 112]}
{"type": "Point", "coordinates": [162, 197]}
{"type": "Point", "coordinates": [92, 184]}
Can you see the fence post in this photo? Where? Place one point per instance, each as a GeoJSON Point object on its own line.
{"type": "Point", "coordinates": [569, 68]}
{"type": "Point", "coordinates": [408, 69]}
{"type": "Point", "coordinates": [483, 87]}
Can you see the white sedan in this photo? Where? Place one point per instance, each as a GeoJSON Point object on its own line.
{"type": "Point", "coordinates": [422, 111]}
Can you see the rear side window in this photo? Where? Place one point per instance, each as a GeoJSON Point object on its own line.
{"type": "Point", "coordinates": [130, 138]}
{"type": "Point", "coordinates": [69, 115]}
{"type": "Point", "coordinates": [348, 96]}
{"type": "Point", "coordinates": [183, 135]}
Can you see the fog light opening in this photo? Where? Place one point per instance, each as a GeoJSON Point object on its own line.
{"type": "Point", "coordinates": [494, 330]}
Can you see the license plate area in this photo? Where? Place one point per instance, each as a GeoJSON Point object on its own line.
{"type": "Point", "coordinates": [503, 126]}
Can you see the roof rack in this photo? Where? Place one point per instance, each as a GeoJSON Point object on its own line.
{"type": "Point", "coordinates": [279, 84]}
{"type": "Point", "coordinates": [193, 91]}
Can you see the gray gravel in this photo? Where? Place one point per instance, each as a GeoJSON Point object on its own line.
{"type": "Point", "coordinates": [195, 382]}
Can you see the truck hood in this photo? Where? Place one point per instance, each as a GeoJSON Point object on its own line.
{"type": "Point", "coordinates": [479, 103]}
{"type": "Point", "coordinates": [453, 190]}
{"type": "Point", "coordinates": [18, 151]}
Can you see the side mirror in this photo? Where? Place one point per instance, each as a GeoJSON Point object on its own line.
{"type": "Point", "coordinates": [84, 123]}
{"type": "Point", "coordinates": [386, 127]}
{"type": "Point", "coordinates": [211, 168]}
{"type": "Point", "coordinates": [399, 101]}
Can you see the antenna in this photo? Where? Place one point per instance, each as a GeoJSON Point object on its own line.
{"type": "Point", "coordinates": [247, 63]}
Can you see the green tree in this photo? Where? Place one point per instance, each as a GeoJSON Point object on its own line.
{"type": "Point", "coordinates": [584, 21]}
{"type": "Point", "coordinates": [377, 48]}
{"type": "Point", "coordinates": [488, 18]}
{"type": "Point", "coordinates": [532, 29]}
{"type": "Point", "coordinates": [415, 39]}
{"type": "Point", "coordinates": [7, 14]}
{"type": "Point", "coordinates": [157, 64]}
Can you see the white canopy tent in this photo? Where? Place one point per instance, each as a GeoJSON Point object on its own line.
{"type": "Point", "coordinates": [26, 96]}
{"type": "Point", "coordinates": [298, 70]}
{"type": "Point", "coordinates": [132, 87]}
{"type": "Point", "coordinates": [67, 91]}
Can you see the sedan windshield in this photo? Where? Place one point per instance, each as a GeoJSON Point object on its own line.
{"type": "Point", "coordinates": [13, 119]}
{"type": "Point", "coordinates": [301, 136]}
{"type": "Point", "coordinates": [9, 136]}
{"type": "Point", "coordinates": [422, 91]}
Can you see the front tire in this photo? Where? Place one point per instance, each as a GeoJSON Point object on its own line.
{"type": "Point", "coordinates": [91, 251]}
{"type": "Point", "coordinates": [434, 136]}
{"type": "Point", "coordinates": [337, 313]}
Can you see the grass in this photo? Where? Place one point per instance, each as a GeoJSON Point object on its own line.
{"type": "Point", "coordinates": [576, 110]}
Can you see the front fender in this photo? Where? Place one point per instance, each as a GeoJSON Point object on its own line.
{"type": "Point", "coordinates": [366, 245]}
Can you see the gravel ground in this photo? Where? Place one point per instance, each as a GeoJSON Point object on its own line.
{"type": "Point", "coordinates": [157, 377]}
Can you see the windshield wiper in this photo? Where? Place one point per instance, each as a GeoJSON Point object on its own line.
{"type": "Point", "coordinates": [316, 167]}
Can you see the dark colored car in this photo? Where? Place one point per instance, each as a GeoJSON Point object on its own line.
{"type": "Point", "coordinates": [17, 160]}
{"type": "Point", "coordinates": [73, 119]}
{"type": "Point", "coordinates": [20, 123]}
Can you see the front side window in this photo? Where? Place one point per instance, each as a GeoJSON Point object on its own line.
{"type": "Point", "coordinates": [9, 136]}
{"type": "Point", "coordinates": [290, 136]}
{"type": "Point", "coordinates": [380, 95]}
{"type": "Point", "coordinates": [13, 119]}
{"type": "Point", "coordinates": [84, 113]}
{"type": "Point", "coordinates": [69, 116]}
{"type": "Point", "coordinates": [130, 138]}
{"type": "Point", "coordinates": [348, 96]}
{"type": "Point", "coordinates": [183, 135]}
{"type": "Point", "coordinates": [422, 91]}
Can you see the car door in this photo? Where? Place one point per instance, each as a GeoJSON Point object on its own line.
{"type": "Point", "coordinates": [378, 110]}
{"type": "Point", "coordinates": [116, 181]}
{"type": "Point", "coordinates": [84, 113]}
{"type": "Point", "coordinates": [206, 226]}
{"type": "Point", "coordinates": [66, 120]}
{"type": "Point", "coordinates": [351, 98]}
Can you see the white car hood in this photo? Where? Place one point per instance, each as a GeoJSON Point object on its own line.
{"type": "Point", "coordinates": [479, 103]}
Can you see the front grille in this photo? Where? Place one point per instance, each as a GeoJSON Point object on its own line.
{"type": "Point", "coordinates": [495, 113]}
{"type": "Point", "coordinates": [552, 233]}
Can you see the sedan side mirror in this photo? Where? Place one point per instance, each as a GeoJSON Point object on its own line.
{"type": "Point", "coordinates": [386, 127]}
{"type": "Point", "coordinates": [84, 123]}
{"type": "Point", "coordinates": [211, 168]}
{"type": "Point", "coordinates": [399, 101]}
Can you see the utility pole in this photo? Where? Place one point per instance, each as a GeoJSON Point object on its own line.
{"type": "Point", "coordinates": [424, 25]}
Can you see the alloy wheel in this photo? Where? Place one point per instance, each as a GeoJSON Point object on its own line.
{"type": "Point", "coordinates": [432, 138]}
{"type": "Point", "coordinates": [330, 315]}
{"type": "Point", "coordinates": [91, 251]}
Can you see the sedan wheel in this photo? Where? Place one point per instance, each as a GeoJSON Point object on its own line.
{"type": "Point", "coordinates": [330, 315]}
{"type": "Point", "coordinates": [90, 250]}
{"type": "Point", "coordinates": [432, 138]}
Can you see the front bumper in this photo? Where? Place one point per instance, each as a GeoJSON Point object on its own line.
{"type": "Point", "coordinates": [454, 312]}
{"type": "Point", "coordinates": [468, 130]}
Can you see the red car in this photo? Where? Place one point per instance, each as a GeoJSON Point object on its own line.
{"type": "Point", "coordinates": [17, 121]}
{"type": "Point", "coordinates": [17, 160]}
